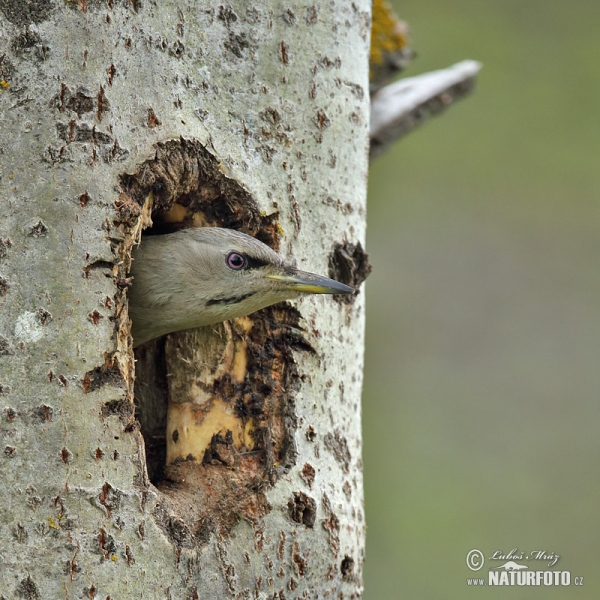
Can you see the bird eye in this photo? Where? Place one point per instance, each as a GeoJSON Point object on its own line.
{"type": "Point", "coordinates": [236, 261]}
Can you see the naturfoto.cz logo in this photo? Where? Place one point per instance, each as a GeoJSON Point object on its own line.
{"type": "Point", "coordinates": [513, 570]}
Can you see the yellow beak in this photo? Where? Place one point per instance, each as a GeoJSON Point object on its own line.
{"type": "Point", "coordinates": [302, 281]}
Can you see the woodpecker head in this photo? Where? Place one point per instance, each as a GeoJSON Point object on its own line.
{"type": "Point", "coordinates": [202, 276]}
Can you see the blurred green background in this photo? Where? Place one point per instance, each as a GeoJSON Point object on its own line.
{"type": "Point", "coordinates": [482, 390]}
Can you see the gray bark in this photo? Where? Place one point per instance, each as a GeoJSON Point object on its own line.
{"type": "Point", "coordinates": [269, 103]}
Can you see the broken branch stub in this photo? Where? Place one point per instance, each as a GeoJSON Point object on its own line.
{"type": "Point", "coordinates": [405, 104]}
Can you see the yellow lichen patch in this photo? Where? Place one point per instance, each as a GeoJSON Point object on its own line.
{"type": "Point", "coordinates": [388, 33]}
{"type": "Point", "coordinates": [190, 429]}
{"type": "Point", "coordinates": [52, 523]}
{"type": "Point", "coordinates": [176, 213]}
{"type": "Point", "coordinates": [4, 84]}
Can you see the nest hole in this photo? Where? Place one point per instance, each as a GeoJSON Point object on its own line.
{"type": "Point", "coordinates": [187, 372]}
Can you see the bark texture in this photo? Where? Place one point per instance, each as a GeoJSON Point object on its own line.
{"type": "Point", "coordinates": [266, 106]}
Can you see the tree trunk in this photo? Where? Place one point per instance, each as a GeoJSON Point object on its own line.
{"type": "Point", "coordinates": [115, 116]}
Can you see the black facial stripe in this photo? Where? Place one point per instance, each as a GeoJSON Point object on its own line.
{"type": "Point", "coordinates": [231, 300]}
{"type": "Point", "coordinates": [255, 263]}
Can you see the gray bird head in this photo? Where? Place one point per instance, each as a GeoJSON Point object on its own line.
{"type": "Point", "coordinates": [198, 277]}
